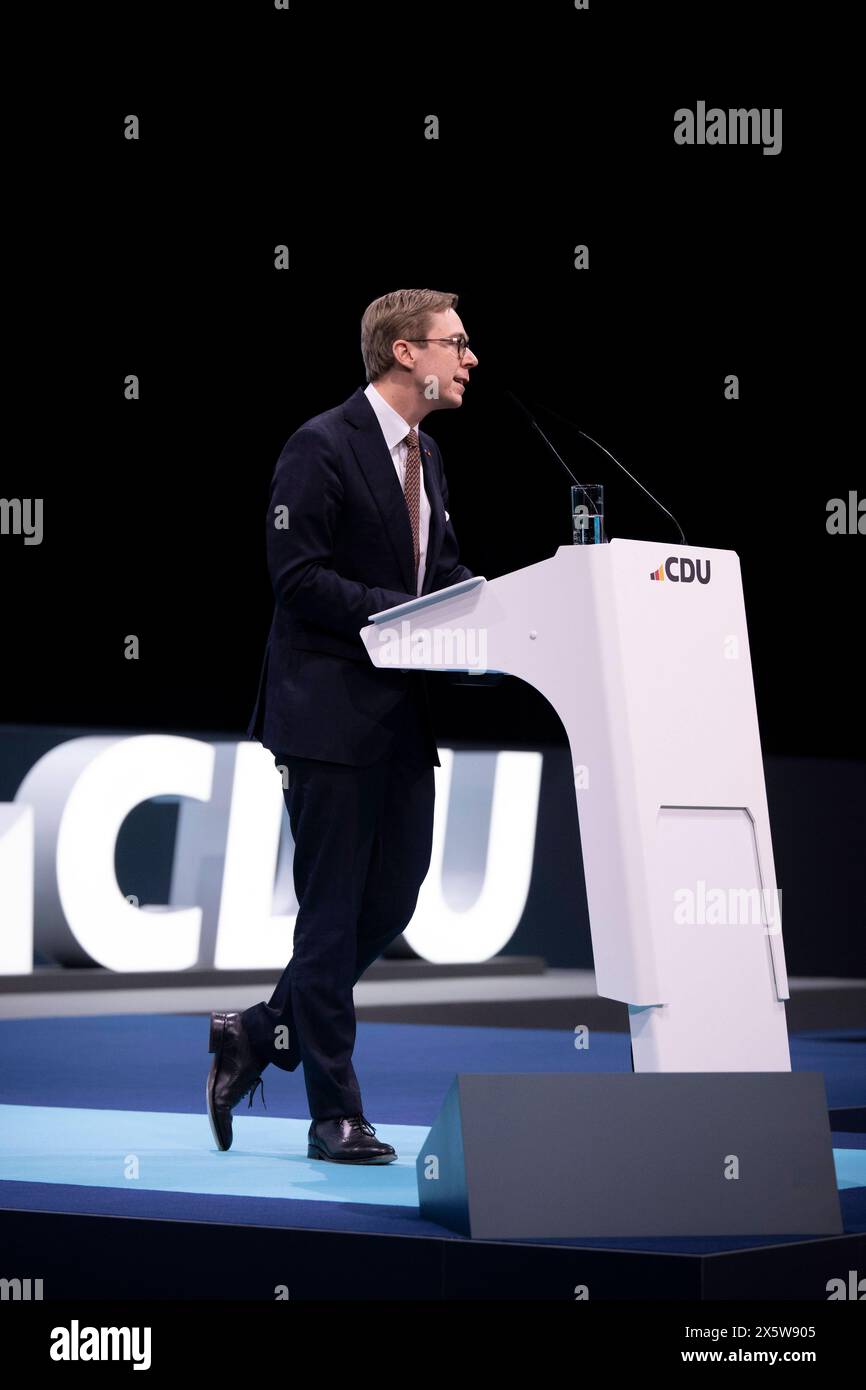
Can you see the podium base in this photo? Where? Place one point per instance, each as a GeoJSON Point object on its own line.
{"type": "Point", "coordinates": [541, 1156]}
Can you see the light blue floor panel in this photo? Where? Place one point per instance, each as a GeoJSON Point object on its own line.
{"type": "Point", "coordinates": [170, 1152]}
{"type": "Point", "coordinates": [850, 1167]}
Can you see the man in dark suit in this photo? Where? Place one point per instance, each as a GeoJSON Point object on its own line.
{"type": "Point", "coordinates": [357, 522]}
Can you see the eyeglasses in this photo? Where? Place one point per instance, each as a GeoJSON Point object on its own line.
{"type": "Point", "coordinates": [459, 342]}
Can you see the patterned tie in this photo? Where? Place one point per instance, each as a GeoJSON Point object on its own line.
{"type": "Point", "coordinates": [412, 492]}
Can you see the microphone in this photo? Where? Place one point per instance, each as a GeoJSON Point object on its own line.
{"type": "Point", "coordinates": [566, 421]}
{"type": "Point", "coordinates": [532, 420]}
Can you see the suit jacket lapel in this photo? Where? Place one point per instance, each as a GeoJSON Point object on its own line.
{"type": "Point", "coordinates": [437, 515]}
{"type": "Point", "coordinates": [374, 457]}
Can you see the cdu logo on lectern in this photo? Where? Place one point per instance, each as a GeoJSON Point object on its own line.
{"type": "Point", "coordinates": [689, 570]}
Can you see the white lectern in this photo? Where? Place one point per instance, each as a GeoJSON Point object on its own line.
{"type": "Point", "coordinates": [643, 651]}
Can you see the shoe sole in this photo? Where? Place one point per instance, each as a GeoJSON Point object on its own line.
{"type": "Point", "coordinates": [215, 1044]}
{"type": "Point", "coordinates": [313, 1152]}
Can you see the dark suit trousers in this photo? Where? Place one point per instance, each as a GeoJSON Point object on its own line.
{"type": "Point", "coordinates": [363, 838]}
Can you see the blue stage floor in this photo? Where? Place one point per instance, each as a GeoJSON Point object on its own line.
{"type": "Point", "coordinates": [106, 1115]}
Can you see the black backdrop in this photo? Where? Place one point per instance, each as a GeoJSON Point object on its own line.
{"type": "Point", "coordinates": [306, 127]}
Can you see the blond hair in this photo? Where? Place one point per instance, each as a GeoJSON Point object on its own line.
{"type": "Point", "coordinates": [400, 314]}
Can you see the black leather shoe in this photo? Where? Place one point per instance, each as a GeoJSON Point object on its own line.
{"type": "Point", "coordinates": [235, 1072]}
{"type": "Point", "coordinates": [348, 1139]}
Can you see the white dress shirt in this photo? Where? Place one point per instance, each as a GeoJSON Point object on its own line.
{"type": "Point", "coordinates": [395, 429]}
